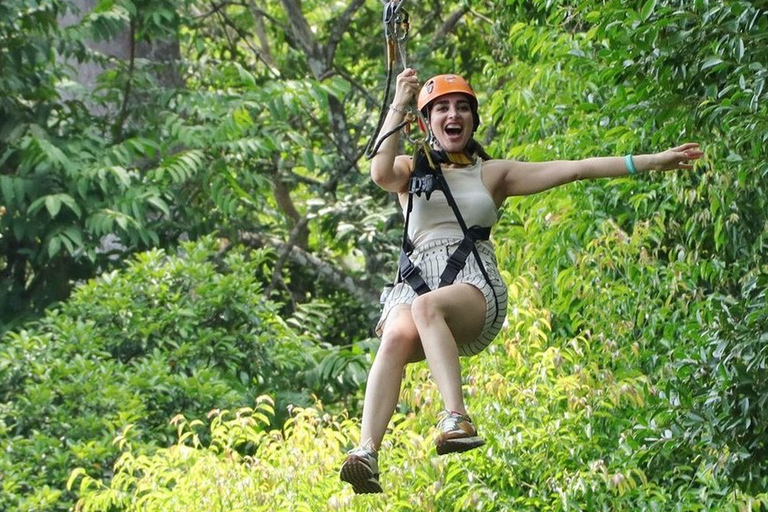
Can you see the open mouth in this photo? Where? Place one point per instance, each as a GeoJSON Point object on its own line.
{"type": "Point", "coordinates": [453, 129]}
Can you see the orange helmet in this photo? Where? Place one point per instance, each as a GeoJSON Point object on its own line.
{"type": "Point", "coordinates": [441, 85]}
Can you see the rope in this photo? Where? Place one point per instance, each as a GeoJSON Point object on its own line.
{"type": "Point", "coordinates": [396, 27]}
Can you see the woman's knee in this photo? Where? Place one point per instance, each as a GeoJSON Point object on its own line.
{"type": "Point", "coordinates": [425, 310]}
{"type": "Point", "coordinates": [400, 341]}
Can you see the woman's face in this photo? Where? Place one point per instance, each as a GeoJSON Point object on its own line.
{"type": "Point", "coordinates": [451, 121]}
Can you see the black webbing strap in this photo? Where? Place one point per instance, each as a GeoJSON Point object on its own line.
{"type": "Point", "coordinates": [452, 203]}
{"type": "Point", "coordinates": [411, 274]}
{"type": "Point", "coordinates": [458, 259]}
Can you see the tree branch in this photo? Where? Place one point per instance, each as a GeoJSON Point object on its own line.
{"type": "Point", "coordinates": [357, 288]}
{"type": "Point", "coordinates": [450, 23]}
{"type": "Point", "coordinates": [357, 85]}
{"type": "Point", "coordinates": [300, 233]}
{"type": "Point", "coordinates": [482, 17]}
{"type": "Point", "coordinates": [338, 28]}
{"type": "Point", "coordinates": [261, 33]}
{"type": "Point", "coordinates": [304, 37]}
{"type": "Point", "coordinates": [256, 51]}
{"type": "Point", "coordinates": [284, 251]}
{"type": "Point", "coordinates": [216, 8]}
{"type": "Point", "coordinates": [117, 129]}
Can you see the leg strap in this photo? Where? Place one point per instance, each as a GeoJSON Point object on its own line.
{"type": "Point", "coordinates": [458, 259]}
{"type": "Point", "coordinates": [411, 274]}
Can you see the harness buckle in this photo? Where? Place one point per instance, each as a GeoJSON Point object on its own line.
{"type": "Point", "coordinates": [408, 270]}
{"type": "Point", "coordinates": [456, 264]}
{"type": "Point", "coordinates": [422, 184]}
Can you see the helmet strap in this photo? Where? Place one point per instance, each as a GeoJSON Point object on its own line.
{"type": "Point", "coordinates": [454, 157]}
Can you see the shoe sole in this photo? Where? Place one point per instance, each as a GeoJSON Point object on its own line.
{"type": "Point", "coordinates": [458, 445]}
{"type": "Point", "coordinates": [359, 475]}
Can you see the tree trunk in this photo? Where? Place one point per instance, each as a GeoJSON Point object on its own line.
{"type": "Point", "coordinates": [165, 53]}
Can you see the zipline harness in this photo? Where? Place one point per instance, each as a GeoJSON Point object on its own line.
{"type": "Point", "coordinates": [427, 175]}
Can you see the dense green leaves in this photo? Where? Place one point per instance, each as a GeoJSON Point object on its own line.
{"type": "Point", "coordinates": [171, 334]}
{"type": "Point", "coordinates": [640, 77]}
{"type": "Point", "coordinates": [554, 412]}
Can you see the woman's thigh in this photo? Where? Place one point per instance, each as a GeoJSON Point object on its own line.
{"type": "Point", "coordinates": [462, 306]}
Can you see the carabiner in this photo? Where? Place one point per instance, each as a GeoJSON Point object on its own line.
{"type": "Point", "coordinates": [402, 24]}
{"type": "Point", "coordinates": [395, 18]}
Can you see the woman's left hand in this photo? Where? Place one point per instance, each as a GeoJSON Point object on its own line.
{"type": "Point", "coordinates": [680, 157]}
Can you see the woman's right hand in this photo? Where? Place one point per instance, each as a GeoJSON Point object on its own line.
{"type": "Point", "coordinates": [388, 171]}
{"type": "Point", "coordinates": [406, 89]}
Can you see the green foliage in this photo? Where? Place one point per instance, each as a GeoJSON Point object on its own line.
{"type": "Point", "coordinates": [136, 163]}
{"type": "Point", "coordinates": [668, 266]}
{"type": "Point", "coordinates": [65, 182]}
{"type": "Point", "coordinates": [169, 335]}
{"type": "Point", "coordinates": [727, 382]}
{"type": "Point", "coordinates": [631, 375]}
{"type": "Point", "coordinates": [213, 120]}
{"type": "Point", "coordinates": [554, 414]}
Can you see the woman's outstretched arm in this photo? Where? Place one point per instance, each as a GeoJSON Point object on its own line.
{"type": "Point", "coordinates": [524, 178]}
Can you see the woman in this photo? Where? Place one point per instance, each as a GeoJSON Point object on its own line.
{"type": "Point", "coordinates": [461, 318]}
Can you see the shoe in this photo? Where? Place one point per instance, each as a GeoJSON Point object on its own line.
{"type": "Point", "coordinates": [457, 433]}
{"type": "Point", "coordinates": [361, 469]}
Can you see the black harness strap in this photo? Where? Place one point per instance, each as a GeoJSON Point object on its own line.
{"type": "Point", "coordinates": [409, 272]}
{"type": "Point", "coordinates": [458, 259]}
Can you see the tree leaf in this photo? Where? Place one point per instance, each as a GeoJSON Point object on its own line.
{"type": "Point", "coordinates": [647, 9]}
{"type": "Point", "coordinates": [53, 205]}
{"type": "Point", "coordinates": [714, 60]}
{"type": "Point", "coordinates": [54, 246]}
{"type": "Point", "coordinates": [6, 188]}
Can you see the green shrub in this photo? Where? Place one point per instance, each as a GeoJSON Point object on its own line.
{"type": "Point", "coordinates": [556, 415]}
{"type": "Point", "coordinates": [169, 335]}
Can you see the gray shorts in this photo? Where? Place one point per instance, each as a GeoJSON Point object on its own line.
{"type": "Point", "coordinates": [431, 259]}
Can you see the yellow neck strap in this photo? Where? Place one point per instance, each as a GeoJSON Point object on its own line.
{"type": "Point", "coordinates": [460, 158]}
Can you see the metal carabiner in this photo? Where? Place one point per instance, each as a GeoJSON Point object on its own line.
{"type": "Point", "coordinates": [389, 19]}
{"type": "Point", "coordinates": [395, 20]}
{"type": "Point", "coordinates": [402, 24]}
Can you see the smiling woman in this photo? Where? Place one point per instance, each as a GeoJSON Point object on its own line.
{"type": "Point", "coordinates": [449, 299]}
{"type": "Point", "coordinates": [451, 118]}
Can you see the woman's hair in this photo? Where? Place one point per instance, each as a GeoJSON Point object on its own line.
{"type": "Point", "coordinates": [474, 147]}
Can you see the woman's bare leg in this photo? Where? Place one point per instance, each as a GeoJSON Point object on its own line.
{"type": "Point", "coordinates": [399, 345]}
{"type": "Point", "coordinates": [444, 319]}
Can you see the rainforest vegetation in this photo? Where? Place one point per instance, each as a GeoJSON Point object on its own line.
{"type": "Point", "coordinates": [191, 254]}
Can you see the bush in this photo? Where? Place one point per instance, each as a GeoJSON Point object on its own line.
{"type": "Point", "coordinates": [556, 417]}
{"type": "Point", "coordinates": [171, 334]}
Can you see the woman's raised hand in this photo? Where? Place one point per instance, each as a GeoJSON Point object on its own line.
{"type": "Point", "coordinates": [406, 89]}
{"type": "Point", "coordinates": [680, 157]}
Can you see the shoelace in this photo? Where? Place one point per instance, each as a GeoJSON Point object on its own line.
{"type": "Point", "coordinates": [450, 421]}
